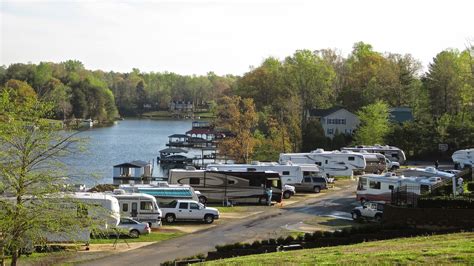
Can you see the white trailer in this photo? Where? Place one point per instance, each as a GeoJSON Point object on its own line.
{"type": "Point", "coordinates": [393, 153]}
{"type": "Point", "coordinates": [332, 163]}
{"type": "Point", "coordinates": [139, 206]}
{"type": "Point", "coordinates": [380, 187]}
{"type": "Point", "coordinates": [463, 158]}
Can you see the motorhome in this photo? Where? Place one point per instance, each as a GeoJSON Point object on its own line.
{"type": "Point", "coordinates": [139, 206]}
{"type": "Point", "coordinates": [332, 163]}
{"type": "Point", "coordinates": [374, 187]}
{"type": "Point", "coordinates": [163, 192]}
{"type": "Point", "coordinates": [391, 152]}
{"type": "Point", "coordinates": [290, 174]}
{"type": "Point", "coordinates": [426, 172]}
{"type": "Point", "coordinates": [225, 186]}
{"type": "Point", "coordinates": [463, 158]}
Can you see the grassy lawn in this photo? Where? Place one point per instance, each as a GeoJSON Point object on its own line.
{"type": "Point", "coordinates": [232, 209]}
{"type": "Point", "coordinates": [434, 250]}
{"type": "Point", "coordinates": [153, 237]}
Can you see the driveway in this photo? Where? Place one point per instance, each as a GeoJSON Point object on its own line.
{"type": "Point", "coordinates": [270, 224]}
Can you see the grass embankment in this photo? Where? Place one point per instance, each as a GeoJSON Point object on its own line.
{"type": "Point", "coordinates": [152, 237]}
{"type": "Point", "coordinates": [440, 249]}
{"type": "Point", "coordinates": [232, 209]}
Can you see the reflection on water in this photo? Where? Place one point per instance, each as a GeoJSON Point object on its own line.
{"type": "Point", "coordinates": [128, 140]}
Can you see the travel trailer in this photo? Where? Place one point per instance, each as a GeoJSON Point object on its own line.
{"type": "Point", "coordinates": [391, 152]}
{"type": "Point", "coordinates": [139, 206]}
{"type": "Point", "coordinates": [426, 172]}
{"type": "Point", "coordinates": [463, 158]}
{"type": "Point", "coordinates": [163, 192]}
{"type": "Point", "coordinates": [332, 163]}
{"type": "Point", "coordinates": [226, 186]}
{"type": "Point", "coordinates": [373, 187]}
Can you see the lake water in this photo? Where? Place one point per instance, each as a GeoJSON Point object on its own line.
{"type": "Point", "coordinates": [128, 140]}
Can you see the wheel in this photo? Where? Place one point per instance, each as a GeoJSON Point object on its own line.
{"type": "Point", "coordinates": [203, 199]}
{"type": "Point", "coordinates": [134, 233]}
{"type": "Point", "coordinates": [355, 216]}
{"type": "Point", "coordinates": [170, 218]}
{"type": "Point", "coordinates": [286, 195]}
{"type": "Point", "coordinates": [209, 218]}
{"type": "Point", "coordinates": [316, 189]}
{"type": "Point", "coordinates": [378, 218]}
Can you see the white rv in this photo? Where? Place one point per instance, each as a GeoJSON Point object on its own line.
{"type": "Point", "coordinates": [163, 192]}
{"type": "Point", "coordinates": [226, 186]}
{"type": "Point", "coordinates": [426, 172]}
{"type": "Point", "coordinates": [140, 206]}
{"type": "Point", "coordinates": [380, 187]}
{"type": "Point", "coordinates": [332, 163]}
{"type": "Point", "coordinates": [391, 152]}
{"type": "Point", "coordinates": [463, 158]}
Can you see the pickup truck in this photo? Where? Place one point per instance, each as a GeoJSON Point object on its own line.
{"type": "Point", "coordinates": [187, 210]}
{"type": "Point", "coordinates": [391, 165]}
{"type": "Point", "coordinates": [368, 211]}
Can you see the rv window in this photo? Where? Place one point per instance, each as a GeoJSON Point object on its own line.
{"type": "Point", "coordinates": [318, 163]}
{"type": "Point", "coordinates": [374, 185]}
{"type": "Point", "coordinates": [286, 173]}
{"type": "Point", "coordinates": [146, 206]}
{"type": "Point", "coordinates": [194, 206]}
{"type": "Point", "coordinates": [251, 170]}
{"type": "Point", "coordinates": [125, 207]}
{"type": "Point", "coordinates": [351, 158]}
{"type": "Point", "coordinates": [230, 182]}
{"type": "Point", "coordinates": [390, 187]}
{"type": "Point", "coordinates": [183, 205]}
{"type": "Point", "coordinates": [395, 155]}
{"type": "Point", "coordinates": [194, 180]}
{"type": "Point", "coordinates": [307, 180]}
{"type": "Point", "coordinates": [326, 162]}
{"type": "Point", "coordinates": [253, 182]}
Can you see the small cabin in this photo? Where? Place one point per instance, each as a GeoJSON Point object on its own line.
{"type": "Point", "coordinates": [135, 171]}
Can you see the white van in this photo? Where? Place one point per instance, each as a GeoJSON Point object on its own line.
{"type": "Point", "coordinates": [139, 206]}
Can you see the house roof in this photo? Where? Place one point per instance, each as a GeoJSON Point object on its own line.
{"type": "Point", "coordinates": [198, 131]}
{"type": "Point", "coordinates": [401, 114]}
{"type": "Point", "coordinates": [133, 164]}
{"type": "Point", "coordinates": [324, 112]}
{"type": "Point", "coordinates": [173, 150]}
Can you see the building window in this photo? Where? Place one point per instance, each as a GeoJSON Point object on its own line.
{"type": "Point", "coordinates": [374, 185]}
{"type": "Point", "coordinates": [194, 180]}
{"type": "Point", "coordinates": [330, 131]}
{"type": "Point", "coordinates": [343, 121]}
{"type": "Point", "coordinates": [390, 187]}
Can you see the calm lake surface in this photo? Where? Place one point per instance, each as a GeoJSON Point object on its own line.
{"type": "Point", "coordinates": [128, 140]}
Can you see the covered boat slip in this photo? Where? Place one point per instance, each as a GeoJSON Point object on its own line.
{"type": "Point", "coordinates": [238, 187]}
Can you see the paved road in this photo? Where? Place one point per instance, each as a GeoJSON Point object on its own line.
{"type": "Point", "coordinates": [270, 224]}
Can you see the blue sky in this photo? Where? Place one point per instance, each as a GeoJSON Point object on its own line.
{"type": "Point", "coordinates": [195, 36]}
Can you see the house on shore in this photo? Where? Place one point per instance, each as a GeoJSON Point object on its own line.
{"type": "Point", "coordinates": [335, 120]}
{"type": "Point", "coordinates": [133, 172]}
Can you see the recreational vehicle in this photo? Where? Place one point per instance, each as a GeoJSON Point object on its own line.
{"type": "Point", "coordinates": [225, 186]}
{"type": "Point", "coordinates": [426, 172]}
{"type": "Point", "coordinates": [375, 163]}
{"type": "Point", "coordinates": [163, 192]}
{"type": "Point", "coordinates": [392, 153]}
{"type": "Point", "coordinates": [463, 158]}
{"type": "Point", "coordinates": [139, 206]}
{"type": "Point", "coordinates": [373, 187]}
{"type": "Point", "coordinates": [332, 163]}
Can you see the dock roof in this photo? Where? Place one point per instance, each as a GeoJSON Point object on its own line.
{"type": "Point", "coordinates": [133, 164]}
{"type": "Point", "coordinates": [173, 150]}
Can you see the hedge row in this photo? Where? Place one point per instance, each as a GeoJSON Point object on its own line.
{"type": "Point", "coordinates": [314, 240]}
{"type": "Point", "coordinates": [460, 202]}
{"type": "Point", "coordinates": [470, 186]}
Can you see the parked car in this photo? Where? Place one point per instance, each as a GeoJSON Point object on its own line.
{"type": "Point", "coordinates": [133, 227]}
{"type": "Point", "coordinates": [368, 211]}
{"type": "Point", "coordinates": [185, 210]}
{"type": "Point", "coordinates": [311, 184]}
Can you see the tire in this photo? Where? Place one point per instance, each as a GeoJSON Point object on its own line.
{"type": "Point", "coordinates": [202, 199]}
{"type": "Point", "coordinates": [355, 216]}
{"type": "Point", "coordinates": [208, 218]}
{"type": "Point", "coordinates": [170, 218]}
{"type": "Point", "coordinates": [378, 218]}
{"type": "Point", "coordinates": [134, 233]}
{"type": "Point", "coordinates": [286, 195]}
{"type": "Point", "coordinates": [316, 189]}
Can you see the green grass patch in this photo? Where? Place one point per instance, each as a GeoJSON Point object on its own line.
{"type": "Point", "coordinates": [152, 237]}
{"type": "Point", "coordinates": [439, 249]}
{"type": "Point", "coordinates": [232, 209]}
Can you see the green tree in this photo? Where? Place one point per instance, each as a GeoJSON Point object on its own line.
{"type": "Point", "coordinates": [30, 173]}
{"type": "Point", "coordinates": [374, 124]}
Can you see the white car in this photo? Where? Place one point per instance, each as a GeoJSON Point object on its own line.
{"type": "Point", "coordinates": [186, 210]}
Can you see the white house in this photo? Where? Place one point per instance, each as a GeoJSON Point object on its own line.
{"type": "Point", "coordinates": [335, 120]}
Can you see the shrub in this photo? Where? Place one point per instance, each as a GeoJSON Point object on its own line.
{"type": "Point", "coordinates": [470, 186]}
{"type": "Point", "coordinates": [272, 241]}
{"type": "Point", "coordinates": [308, 236]}
{"type": "Point", "coordinates": [446, 202]}
{"type": "Point", "coordinates": [318, 234]}
{"type": "Point", "coordinates": [280, 241]}
{"type": "Point", "coordinates": [289, 239]}
{"type": "Point", "coordinates": [265, 242]}
{"type": "Point", "coordinates": [257, 244]}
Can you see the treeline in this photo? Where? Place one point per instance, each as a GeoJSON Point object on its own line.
{"type": "Point", "coordinates": [284, 92]}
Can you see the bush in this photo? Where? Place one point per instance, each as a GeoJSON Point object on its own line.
{"type": "Point", "coordinates": [280, 241]}
{"type": "Point", "coordinates": [288, 240]}
{"type": "Point", "coordinates": [272, 241]}
{"type": "Point", "coordinates": [446, 202]}
{"type": "Point", "coordinates": [470, 186]}
{"type": "Point", "coordinates": [257, 244]}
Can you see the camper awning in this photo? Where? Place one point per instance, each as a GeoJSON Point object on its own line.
{"type": "Point", "coordinates": [167, 193]}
